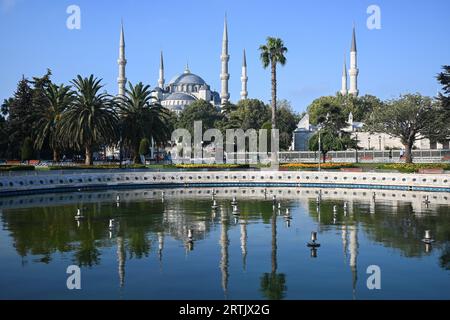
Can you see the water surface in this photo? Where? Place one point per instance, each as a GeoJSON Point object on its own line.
{"type": "Point", "coordinates": [258, 254]}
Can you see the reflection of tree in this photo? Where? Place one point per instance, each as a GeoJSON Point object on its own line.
{"type": "Point", "coordinates": [444, 259]}
{"type": "Point", "coordinates": [393, 224]}
{"type": "Point", "coordinates": [273, 284]}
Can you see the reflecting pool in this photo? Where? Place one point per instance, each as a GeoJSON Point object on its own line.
{"type": "Point", "coordinates": [172, 244]}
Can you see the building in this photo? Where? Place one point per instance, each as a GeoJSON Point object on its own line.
{"type": "Point", "coordinates": [187, 87]}
{"type": "Point", "coordinates": [366, 140]}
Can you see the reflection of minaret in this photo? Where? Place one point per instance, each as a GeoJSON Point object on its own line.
{"type": "Point", "coordinates": [344, 241]}
{"type": "Point", "coordinates": [224, 242]}
{"type": "Point", "coordinates": [244, 244]}
{"type": "Point", "coordinates": [160, 245]}
{"type": "Point", "coordinates": [354, 257]}
{"type": "Point", "coordinates": [121, 256]}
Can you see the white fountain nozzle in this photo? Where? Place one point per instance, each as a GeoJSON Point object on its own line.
{"type": "Point", "coordinates": [427, 234]}
{"type": "Point", "coordinates": [313, 236]}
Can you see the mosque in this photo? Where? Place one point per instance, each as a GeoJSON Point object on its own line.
{"type": "Point", "coordinates": [187, 87]}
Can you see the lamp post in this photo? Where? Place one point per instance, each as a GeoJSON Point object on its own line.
{"type": "Point", "coordinates": [356, 147]}
{"type": "Point", "coordinates": [379, 142]}
{"type": "Point", "coordinates": [368, 139]}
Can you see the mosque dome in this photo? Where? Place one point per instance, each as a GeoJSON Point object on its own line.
{"type": "Point", "coordinates": [187, 78]}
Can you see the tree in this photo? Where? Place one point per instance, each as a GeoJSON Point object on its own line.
{"type": "Point", "coordinates": [57, 100]}
{"type": "Point", "coordinates": [410, 118]}
{"type": "Point", "coordinates": [442, 134]}
{"type": "Point", "coordinates": [19, 124]}
{"type": "Point", "coordinates": [444, 80]}
{"type": "Point", "coordinates": [272, 53]}
{"type": "Point", "coordinates": [27, 149]}
{"type": "Point", "coordinates": [252, 113]}
{"type": "Point", "coordinates": [287, 121]}
{"type": "Point", "coordinates": [91, 120]}
{"type": "Point", "coordinates": [144, 147]}
{"type": "Point", "coordinates": [332, 121]}
{"type": "Point", "coordinates": [142, 117]}
{"type": "Point", "coordinates": [199, 110]}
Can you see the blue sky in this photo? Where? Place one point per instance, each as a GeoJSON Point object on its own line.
{"type": "Point", "coordinates": [403, 56]}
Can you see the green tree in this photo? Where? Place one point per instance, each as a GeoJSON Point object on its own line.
{"type": "Point", "coordinates": [19, 109]}
{"type": "Point", "coordinates": [252, 113]}
{"type": "Point", "coordinates": [410, 118]}
{"type": "Point", "coordinates": [142, 117]}
{"type": "Point", "coordinates": [144, 147]}
{"type": "Point", "coordinates": [91, 120]}
{"type": "Point", "coordinates": [287, 121]}
{"type": "Point", "coordinates": [27, 151]}
{"type": "Point", "coordinates": [199, 110]}
{"type": "Point", "coordinates": [273, 53]}
{"type": "Point", "coordinates": [444, 80]}
{"type": "Point", "coordinates": [360, 107]}
{"type": "Point", "coordinates": [57, 100]}
{"type": "Point", "coordinates": [332, 121]}
{"type": "Point", "coordinates": [442, 134]}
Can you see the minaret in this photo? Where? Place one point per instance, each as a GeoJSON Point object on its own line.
{"type": "Point", "coordinates": [353, 67]}
{"type": "Point", "coordinates": [161, 72]}
{"type": "Point", "coordinates": [244, 78]}
{"type": "Point", "coordinates": [122, 80]}
{"type": "Point", "coordinates": [344, 80]}
{"type": "Point", "coordinates": [224, 75]}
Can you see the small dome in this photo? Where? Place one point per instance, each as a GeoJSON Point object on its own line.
{"type": "Point", "coordinates": [179, 96]}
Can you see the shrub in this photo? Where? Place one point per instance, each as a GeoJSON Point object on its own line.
{"type": "Point", "coordinates": [17, 168]}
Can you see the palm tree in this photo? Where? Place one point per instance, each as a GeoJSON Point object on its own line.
{"type": "Point", "coordinates": [272, 53]}
{"type": "Point", "coordinates": [142, 117]}
{"type": "Point", "coordinates": [59, 99]}
{"type": "Point", "coordinates": [91, 120]}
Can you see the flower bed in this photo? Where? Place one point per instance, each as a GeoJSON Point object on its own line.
{"type": "Point", "coordinates": [327, 165]}
{"type": "Point", "coordinates": [211, 166]}
{"type": "Point", "coordinates": [413, 167]}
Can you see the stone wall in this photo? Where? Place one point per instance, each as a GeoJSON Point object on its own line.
{"type": "Point", "coordinates": [80, 181]}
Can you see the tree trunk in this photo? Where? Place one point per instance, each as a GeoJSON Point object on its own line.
{"type": "Point", "coordinates": [136, 155]}
{"type": "Point", "coordinates": [88, 156]}
{"type": "Point", "coordinates": [408, 152]}
{"type": "Point", "coordinates": [274, 95]}
{"type": "Point", "coordinates": [55, 155]}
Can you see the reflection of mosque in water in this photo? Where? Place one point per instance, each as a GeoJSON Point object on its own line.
{"type": "Point", "coordinates": [195, 226]}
